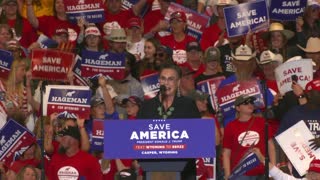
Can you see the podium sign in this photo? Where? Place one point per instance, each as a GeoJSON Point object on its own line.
{"type": "Point", "coordinates": [153, 139]}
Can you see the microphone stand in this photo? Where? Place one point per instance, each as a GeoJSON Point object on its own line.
{"type": "Point", "coordinates": [42, 89]}
{"type": "Point", "coordinates": [266, 127]}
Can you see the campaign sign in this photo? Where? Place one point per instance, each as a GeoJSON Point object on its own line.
{"type": "Point", "coordinates": [14, 140]}
{"type": "Point", "coordinates": [48, 64]}
{"type": "Point", "coordinates": [196, 22]}
{"type": "Point", "coordinates": [295, 143]}
{"type": "Point", "coordinates": [74, 100]}
{"type": "Point", "coordinates": [302, 68]}
{"type": "Point", "coordinates": [209, 165]}
{"type": "Point", "coordinates": [247, 163]}
{"type": "Point", "coordinates": [150, 85]}
{"type": "Point", "coordinates": [6, 60]}
{"type": "Point", "coordinates": [210, 86]}
{"type": "Point", "coordinates": [286, 10]}
{"type": "Point", "coordinates": [228, 94]}
{"type": "Point", "coordinates": [127, 5]}
{"type": "Point", "coordinates": [106, 63]}
{"type": "Point", "coordinates": [78, 79]}
{"type": "Point", "coordinates": [153, 139]}
{"type": "Point", "coordinates": [97, 135]}
{"type": "Point", "coordinates": [91, 10]}
{"type": "Point", "coordinates": [245, 17]}
{"type": "Point", "coordinates": [314, 127]}
{"type": "Point", "coordinates": [45, 42]}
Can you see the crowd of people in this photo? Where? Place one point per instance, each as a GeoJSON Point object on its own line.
{"type": "Point", "coordinates": [152, 44]}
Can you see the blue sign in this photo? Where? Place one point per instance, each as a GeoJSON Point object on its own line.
{"type": "Point", "coordinates": [150, 85]}
{"type": "Point", "coordinates": [128, 4]}
{"type": "Point", "coordinates": [14, 140]}
{"type": "Point", "coordinates": [107, 63]}
{"type": "Point", "coordinates": [91, 10]}
{"type": "Point", "coordinates": [249, 162]}
{"type": "Point", "coordinates": [314, 127]}
{"type": "Point", "coordinates": [48, 43]}
{"type": "Point", "coordinates": [6, 60]}
{"type": "Point", "coordinates": [150, 139]}
{"type": "Point", "coordinates": [286, 10]}
{"type": "Point", "coordinates": [244, 17]}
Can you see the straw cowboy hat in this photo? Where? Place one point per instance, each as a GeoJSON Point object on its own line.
{"type": "Point", "coordinates": [117, 35]}
{"type": "Point", "coordinates": [313, 45]}
{"type": "Point", "coordinates": [223, 3]}
{"type": "Point", "coordinates": [278, 27]}
{"type": "Point", "coordinates": [268, 57]}
{"type": "Point", "coordinates": [243, 53]}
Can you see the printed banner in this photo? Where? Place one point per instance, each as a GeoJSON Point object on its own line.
{"type": "Point", "coordinates": [153, 139]}
{"type": "Point", "coordinates": [109, 64]}
{"type": "Point", "coordinates": [286, 10]}
{"type": "Point", "coordinates": [247, 163]}
{"type": "Point", "coordinates": [295, 143]}
{"type": "Point", "coordinates": [91, 10]}
{"type": "Point", "coordinates": [314, 127]}
{"type": "Point", "coordinates": [302, 68]}
{"type": "Point", "coordinates": [97, 135]}
{"type": "Point", "coordinates": [196, 22]}
{"type": "Point", "coordinates": [6, 60]}
{"type": "Point", "coordinates": [48, 64]}
{"type": "Point", "coordinates": [245, 17]}
{"type": "Point", "coordinates": [228, 94]}
{"type": "Point", "coordinates": [67, 100]}
{"type": "Point", "coordinates": [14, 140]}
{"type": "Point", "coordinates": [210, 86]}
{"type": "Point", "coordinates": [150, 85]}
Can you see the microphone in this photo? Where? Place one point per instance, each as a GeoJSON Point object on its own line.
{"type": "Point", "coordinates": [163, 92]}
{"type": "Point", "coordinates": [163, 89]}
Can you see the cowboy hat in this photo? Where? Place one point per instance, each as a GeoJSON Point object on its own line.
{"type": "Point", "coordinates": [117, 35]}
{"type": "Point", "coordinates": [313, 45]}
{"type": "Point", "coordinates": [268, 56]}
{"type": "Point", "coordinates": [278, 27]}
{"type": "Point", "coordinates": [243, 53]}
{"type": "Point", "coordinates": [223, 3]}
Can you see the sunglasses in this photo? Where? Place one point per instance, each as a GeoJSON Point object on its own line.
{"type": "Point", "coordinates": [247, 102]}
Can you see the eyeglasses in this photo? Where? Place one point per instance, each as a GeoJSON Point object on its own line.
{"type": "Point", "coordinates": [169, 79]}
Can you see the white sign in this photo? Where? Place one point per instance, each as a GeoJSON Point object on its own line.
{"type": "Point", "coordinates": [301, 68]}
{"type": "Point", "coordinates": [295, 143]}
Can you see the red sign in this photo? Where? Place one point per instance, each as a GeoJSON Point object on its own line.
{"type": "Point", "coordinates": [50, 64]}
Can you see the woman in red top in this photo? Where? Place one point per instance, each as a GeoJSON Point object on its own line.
{"type": "Point", "coordinates": [179, 39]}
{"type": "Point", "coordinates": [21, 28]}
{"type": "Point", "coordinates": [47, 24]}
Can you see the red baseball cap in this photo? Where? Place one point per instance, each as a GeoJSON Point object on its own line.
{"type": "Point", "coordinates": [178, 15]}
{"type": "Point", "coordinates": [313, 85]}
{"type": "Point", "coordinates": [59, 31]}
{"type": "Point", "coordinates": [134, 22]}
{"type": "Point", "coordinates": [315, 165]}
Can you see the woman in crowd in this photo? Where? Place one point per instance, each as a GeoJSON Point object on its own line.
{"type": "Point", "coordinates": [146, 65]}
{"type": "Point", "coordinates": [278, 38]}
{"type": "Point", "coordinates": [21, 28]}
{"type": "Point", "coordinates": [308, 25]}
{"type": "Point", "coordinates": [45, 23]}
{"type": "Point", "coordinates": [5, 35]}
{"type": "Point", "coordinates": [92, 39]}
{"type": "Point", "coordinates": [28, 173]}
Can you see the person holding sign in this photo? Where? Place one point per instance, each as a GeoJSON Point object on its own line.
{"type": "Point", "coordinates": [309, 112]}
{"type": "Point", "coordinates": [277, 174]}
{"type": "Point", "coordinates": [243, 133]}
